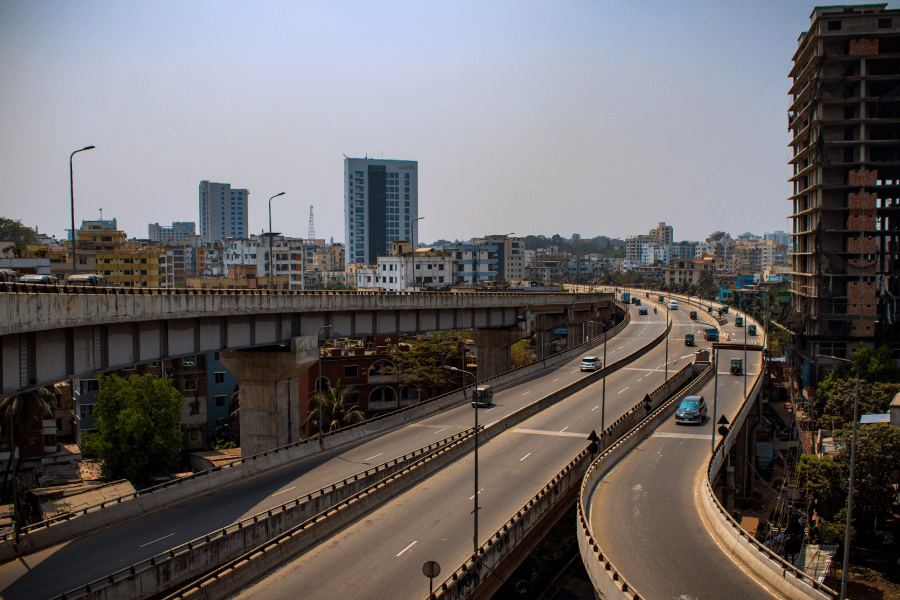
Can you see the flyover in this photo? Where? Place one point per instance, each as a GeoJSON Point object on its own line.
{"type": "Point", "coordinates": [77, 561]}
{"type": "Point", "coordinates": [54, 333]}
{"type": "Point", "coordinates": [433, 521]}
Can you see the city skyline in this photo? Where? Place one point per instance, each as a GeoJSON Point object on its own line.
{"type": "Point", "coordinates": [527, 118]}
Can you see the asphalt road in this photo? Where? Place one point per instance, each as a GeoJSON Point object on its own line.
{"type": "Point", "coordinates": [645, 514]}
{"type": "Point", "coordinates": [59, 569]}
{"type": "Point", "coordinates": [382, 555]}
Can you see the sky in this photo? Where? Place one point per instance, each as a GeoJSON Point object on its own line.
{"type": "Point", "coordinates": [595, 118]}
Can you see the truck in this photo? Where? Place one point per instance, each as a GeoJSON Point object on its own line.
{"type": "Point", "coordinates": [712, 334]}
{"type": "Point", "coordinates": [626, 298]}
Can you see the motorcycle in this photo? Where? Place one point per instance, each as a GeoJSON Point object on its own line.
{"type": "Point", "coordinates": [654, 310]}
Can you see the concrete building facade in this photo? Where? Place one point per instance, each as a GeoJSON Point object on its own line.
{"type": "Point", "coordinates": [845, 121]}
{"type": "Point", "coordinates": [178, 232]}
{"type": "Point", "coordinates": [381, 204]}
{"type": "Point", "coordinates": [223, 212]}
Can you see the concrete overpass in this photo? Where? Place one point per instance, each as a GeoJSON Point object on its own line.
{"type": "Point", "coordinates": [53, 333]}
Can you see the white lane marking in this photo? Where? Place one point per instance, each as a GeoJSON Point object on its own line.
{"type": "Point", "coordinates": [154, 541]}
{"type": "Point", "coordinates": [491, 408]}
{"type": "Point", "coordinates": [564, 428]}
{"type": "Point", "coordinates": [559, 433]}
{"type": "Point", "coordinates": [557, 379]}
{"type": "Point", "coordinates": [595, 408]}
{"type": "Point", "coordinates": [407, 548]}
{"type": "Point", "coordinates": [473, 495]}
{"type": "Point", "coordinates": [526, 393]}
{"type": "Point", "coordinates": [686, 436]}
{"type": "Point", "coordinates": [620, 391]}
{"type": "Point", "coordinates": [283, 491]}
{"type": "Point", "coordinates": [376, 456]}
{"type": "Point", "coordinates": [440, 430]}
{"type": "Point", "coordinates": [520, 460]}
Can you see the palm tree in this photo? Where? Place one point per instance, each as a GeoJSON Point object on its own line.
{"type": "Point", "coordinates": [19, 414]}
{"type": "Point", "coordinates": [335, 413]}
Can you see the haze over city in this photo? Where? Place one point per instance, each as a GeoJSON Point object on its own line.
{"type": "Point", "coordinates": [533, 118]}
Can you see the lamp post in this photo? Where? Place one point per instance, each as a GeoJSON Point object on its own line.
{"type": "Point", "coordinates": [415, 238]}
{"type": "Point", "coordinates": [271, 256]}
{"type": "Point", "coordinates": [72, 195]}
{"type": "Point", "coordinates": [318, 387]}
{"type": "Point", "coordinates": [846, 566]}
{"type": "Point", "coordinates": [667, 344]}
{"type": "Point", "coordinates": [475, 511]}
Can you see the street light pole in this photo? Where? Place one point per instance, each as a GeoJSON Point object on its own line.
{"type": "Point", "coordinates": [475, 510]}
{"type": "Point", "coordinates": [414, 241]}
{"type": "Point", "coordinates": [667, 344]}
{"type": "Point", "coordinates": [318, 386]}
{"type": "Point", "coordinates": [271, 256]}
{"type": "Point", "coordinates": [72, 196]}
{"type": "Point", "coordinates": [846, 566]}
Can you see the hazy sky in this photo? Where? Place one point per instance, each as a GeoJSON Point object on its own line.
{"type": "Point", "coordinates": [595, 118]}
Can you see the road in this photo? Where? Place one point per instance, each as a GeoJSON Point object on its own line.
{"type": "Point", "coordinates": [645, 514]}
{"type": "Point", "coordinates": [59, 569]}
{"type": "Point", "coordinates": [382, 555]}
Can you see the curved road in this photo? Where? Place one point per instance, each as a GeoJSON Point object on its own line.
{"type": "Point", "coordinates": [59, 569]}
{"type": "Point", "coordinates": [382, 555]}
{"type": "Point", "coordinates": [645, 514]}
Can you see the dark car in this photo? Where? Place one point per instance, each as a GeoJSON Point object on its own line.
{"type": "Point", "coordinates": [691, 410]}
{"type": "Point", "coordinates": [43, 279]}
{"type": "Point", "coordinates": [642, 311]}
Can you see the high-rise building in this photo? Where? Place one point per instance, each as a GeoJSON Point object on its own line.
{"type": "Point", "coordinates": [223, 212]}
{"type": "Point", "coordinates": [176, 233]}
{"type": "Point", "coordinates": [381, 205]}
{"type": "Point", "coordinates": [845, 121]}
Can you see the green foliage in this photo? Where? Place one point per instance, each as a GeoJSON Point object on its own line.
{"type": "Point", "coordinates": [40, 253]}
{"type": "Point", "coordinates": [836, 527]}
{"type": "Point", "coordinates": [220, 444]}
{"type": "Point", "coordinates": [837, 403]}
{"type": "Point", "coordinates": [335, 412]}
{"type": "Point", "coordinates": [13, 231]}
{"type": "Point", "coordinates": [874, 366]}
{"type": "Point", "coordinates": [422, 364]}
{"type": "Point", "coordinates": [521, 354]}
{"type": "Point", "coordinates": [819, 481]}
{"type": "Point", "coordinates": [137, 426]}
{"type": "Point", "coordinates": [877, 456]}
{"type": "Point", "coordinates": [777, 341]}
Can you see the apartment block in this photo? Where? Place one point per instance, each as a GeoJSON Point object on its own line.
{"type": "Point", "coordinates": [177, 232]}
{"type": "Point", "coordinates": [223, 212]}
{"type": "Point", "coordinates": [511, 261]}
{"type": "Point", "coordinates": [844, 119]}
{"type": "Point", "coordinates": [381, 206]}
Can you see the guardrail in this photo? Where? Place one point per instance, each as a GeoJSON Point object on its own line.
{"type": "Point", "coordinates": [603, 574]}
{"type": "Point", "coordinates": [191, 559]}
{"type": "Point", "coordinates": [563, 486]}
{"type": "Point", "coordinates": [38, 536]}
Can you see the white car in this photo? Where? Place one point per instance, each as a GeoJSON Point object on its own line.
{"type": "Point", "coordinates": [673, 305]}
{"type": "Point", "coordinates": [591, 363]}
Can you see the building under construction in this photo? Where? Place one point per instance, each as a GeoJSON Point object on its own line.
{"type": "Point", "coordinates": [844, 120]}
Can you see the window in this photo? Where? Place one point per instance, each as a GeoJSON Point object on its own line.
{"type": "Point", "coordinates": [834, 25]}
{"type": "Point", "coordinates": [129, 368]}
{"type": "Point", "coordinates": [190, 385]}
{"type": "Point", "coordinates": [215, 356]}
{"type": "Point", "coordinates": [351, 371]}
{"type": "Point", "coordinates": [89, 385]}
{"type": "Point", "coordinates": [352, 398]}
{"type": "Point", "coordinates": [195, 408]}
{"type": "Point", "coordinates": [154, 364]}
{"type": "Point", "coordinates": [190, 361]}
{"type": "Point", "coordinates": [884, 23]}
{"type": "Point", "coordinates": [220, 400]}
{"type": "Point", "coordinates": [219, 377]}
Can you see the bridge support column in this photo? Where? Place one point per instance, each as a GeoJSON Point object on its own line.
{"type": "Point", "coordinates": [269, 392]}
{"type": "Point", "coordinates": [493, 350]}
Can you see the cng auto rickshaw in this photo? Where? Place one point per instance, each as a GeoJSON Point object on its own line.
{"type": "Point", "coordinates": [739, 321]}
{"type": "Point", "coordinates": [484, 396]}
{"type": "Point", "coordinates": [737, 366]}
{"type": "Point", "coordinates": [661, 299]}
{"type": "Point", "coordinates": [689, 339]}
{"type": "Point", "coordinates": [751, 329]}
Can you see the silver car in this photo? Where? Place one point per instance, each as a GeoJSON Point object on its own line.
{"type": "Point", "coordinates": [591, 363]}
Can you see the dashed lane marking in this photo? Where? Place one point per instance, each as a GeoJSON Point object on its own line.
{"type": "Point", "coordinates": [559, 433]}
{"type": "Point", "coordinates": [407, 548]}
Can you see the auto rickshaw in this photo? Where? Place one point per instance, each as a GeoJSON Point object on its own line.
{"type": "Point", "coordinates": [661, 299]}
{"type": "Point", "coordinates": [751, 329]}
{"type": "Point", "coordinates": [484, 396]}
{"type": "Point", "coordinates": [689, 339]}
{"type": "Point", "coordinates": [739, 321]}
{"type": "Point", "coordinates": [737, 366]}
{"type": "Point", "coordinates": [693, 315]}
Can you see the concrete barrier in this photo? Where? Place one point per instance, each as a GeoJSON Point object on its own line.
{"type": "Point", "coordinates": [67, 526]}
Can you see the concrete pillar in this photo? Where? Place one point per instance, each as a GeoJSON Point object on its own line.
{"type": "Point", "coordinates": [493, 350]}
{"type": "Point", "coordinates": [269, 392]}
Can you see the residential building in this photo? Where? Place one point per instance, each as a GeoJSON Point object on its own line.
{"type": "Point", "coordinates": [475, 264]}
{"type": "Point", "coordinates": [510, 255]}
{"type": "Point", "coordinates": [302, 263]}
{"type": "Point", "coordinates": [688, 271]}
{"type": "Point", "coordinates": [381, 205]}
{"type": "Point", "coordinates": [178, 232]}
{"type": "Point", "coordinates": [404, 269]}
{"type": "Point", "coordinates": [223, 212]}
{"type": "Point", "coordinates": [779, 237]}
{"type": "Point", "coordinates": [845, 121]}
{"type": "Point", "coordinates": [103, 249]}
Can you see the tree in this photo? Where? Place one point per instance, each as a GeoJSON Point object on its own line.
{"type": "Point", "coordinates": [819, 482]}
{"type": "Point", "coordinates": [137, 426]}
{"type": "Point", "coordinates": [877, 456]}
{"type": "Point", "coordinates": [837, 405]}
{"type": "Point", "coordinates": [520, 354]}
{"type": "Point", "coordinates": [422, 363]}
{"type": "Point", "coordinates": [20, 413]}
{"type": "Point", "coordinates": [13, 231]}
{"type": "Point", "coordinates": [335, 412]}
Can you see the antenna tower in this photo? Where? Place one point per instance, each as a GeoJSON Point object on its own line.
{"type": "Point", "coordinates": [312, 226]}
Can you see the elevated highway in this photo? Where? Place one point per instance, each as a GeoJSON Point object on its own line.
{"type": "Point", "coordinates": [66, 566]}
